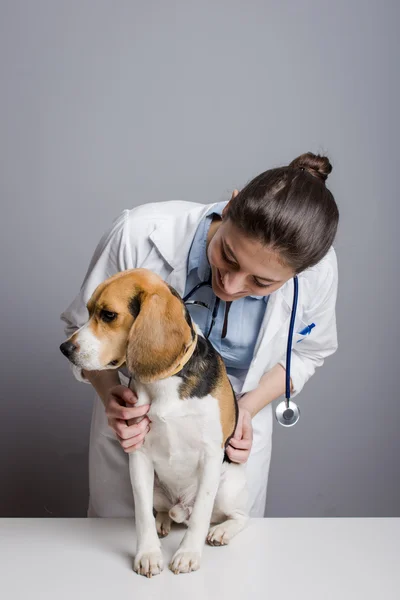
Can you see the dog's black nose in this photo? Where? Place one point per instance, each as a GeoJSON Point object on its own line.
{"type": "Point", "coordinates": [67, 348]}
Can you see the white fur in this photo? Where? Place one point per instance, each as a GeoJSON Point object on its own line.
{"type": "Point", "coordinates": [88, 357]}
{"type": "Point", "coordinates": [193, 485]}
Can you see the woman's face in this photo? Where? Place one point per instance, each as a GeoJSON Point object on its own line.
{"type": "Point", "coordinates": [242, 266]}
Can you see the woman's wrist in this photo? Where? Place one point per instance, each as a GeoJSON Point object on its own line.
{"type": "Point", "coordinates": [246, 403]}
{"type": "Point", "coordinates": [102, 381]}
{"type": "Point", "coordinates": [270, 387]}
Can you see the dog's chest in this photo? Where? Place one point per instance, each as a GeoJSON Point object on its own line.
{"type": "Point", "coordinates": [181, 430]}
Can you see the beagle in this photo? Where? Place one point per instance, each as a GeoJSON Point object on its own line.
{"type": "Point", "coordinates": [181, 470]}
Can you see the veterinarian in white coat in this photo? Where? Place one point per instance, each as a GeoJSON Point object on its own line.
{"type": "Point", "coordinates": [291, 220]}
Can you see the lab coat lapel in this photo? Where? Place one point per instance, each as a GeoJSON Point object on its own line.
{"type": "Point", "coordinates": [276, 316]}
{"type": "Point", "coordinates": [177, 278]}
{"type": "Point", "coordinates": [173, 239]}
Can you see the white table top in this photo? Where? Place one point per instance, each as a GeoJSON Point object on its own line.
{"type": "Point", "coordinates": [333, 558]}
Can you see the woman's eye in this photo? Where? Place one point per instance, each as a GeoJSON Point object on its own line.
{"type": "Point", "coordinates": [225, 258]}
{"type": "Point", "coordinates": [262, 285]}
{"type": "Point", "coordinates": [107, 316]}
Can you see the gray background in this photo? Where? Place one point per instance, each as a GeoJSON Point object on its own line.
{"type": "Point", "coordinates": [107, 105]}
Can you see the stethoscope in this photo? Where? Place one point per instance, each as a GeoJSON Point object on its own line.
{"type": "Point", "coordinates": [285, 415]}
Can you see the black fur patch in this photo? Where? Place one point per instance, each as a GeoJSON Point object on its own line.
{"type": "Point", "coordinates": [174, 292]}
{"type": "Point", "coordinates": [203, 368]}
{"type": "Point", "coordinates": [134, 304]}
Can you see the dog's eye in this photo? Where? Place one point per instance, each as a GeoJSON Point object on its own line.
{"type": "Point", "coordinates": [107, 316]}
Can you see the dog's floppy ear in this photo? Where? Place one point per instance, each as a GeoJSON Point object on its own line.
{"type": "Point", "coordinates": [159, 336]}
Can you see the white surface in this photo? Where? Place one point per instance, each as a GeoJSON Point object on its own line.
{"type": "Point", "coordinates": [273, 558]}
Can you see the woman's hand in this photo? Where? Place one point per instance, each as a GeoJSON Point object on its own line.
{"type": "Point", "coordinates": [131, 436]}
{"type": "Point", "coordinates": [238, 449]}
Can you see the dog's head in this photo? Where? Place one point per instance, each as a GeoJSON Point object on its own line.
{"type": "Point", "coordinates": [137, 319]}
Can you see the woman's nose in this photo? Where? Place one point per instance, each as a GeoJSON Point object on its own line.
{"type": "Point", "coordinates": [233, 283]}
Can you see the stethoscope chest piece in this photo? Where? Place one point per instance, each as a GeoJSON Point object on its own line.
{"type": "Point", "coordinates": [287, 415]}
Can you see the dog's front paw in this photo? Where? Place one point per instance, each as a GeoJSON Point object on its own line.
{"type": "Point", "coordinates": [148, 563]}
{"type": "Point", "coordinates": [185, 562]}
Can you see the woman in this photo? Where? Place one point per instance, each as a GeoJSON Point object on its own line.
{"type": "Point", "coordinates": [281, 224]}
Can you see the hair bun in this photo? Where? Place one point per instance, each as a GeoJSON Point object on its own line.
{"type": "Point", "coordinates": [316, 165]}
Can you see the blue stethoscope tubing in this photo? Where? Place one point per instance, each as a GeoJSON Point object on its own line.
{"type": "Point", "coordinates": [285, 415]}
{"type": "Point", "coordinates": [199, 303]}
{"type": "Point", "coordinates": [290, 336]}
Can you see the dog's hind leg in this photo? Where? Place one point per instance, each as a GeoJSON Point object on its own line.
{"type": "Point", "coordinates": [230, 507]}
{"type": "Point", "coordinates": [163, 523]}
{"type": "Point", "coordinates": [188, 556]}
{"type": "Point", "coordinates": [162, 504]}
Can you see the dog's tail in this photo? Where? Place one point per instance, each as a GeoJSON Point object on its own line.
{"type": "Point", "coordinates": [180, 513]}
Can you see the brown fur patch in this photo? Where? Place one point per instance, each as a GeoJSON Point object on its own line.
{"type": "Point", "coordinates": [227, 404]}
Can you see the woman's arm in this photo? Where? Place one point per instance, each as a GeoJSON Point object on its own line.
{"type": "Point", "coordinates": [102, 381]}
{"type": "Point", "coordinates": [270, 387]}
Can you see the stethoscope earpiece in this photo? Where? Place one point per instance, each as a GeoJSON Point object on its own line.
{"type": "Point", "coordinates": [287, 415]}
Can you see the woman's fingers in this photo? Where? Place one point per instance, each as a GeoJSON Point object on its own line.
{"type": "Point", "coordinates": [242, 444]}
{"type": "Point", "coordinates": [239, 426]}
{"type": "Point", "coordinates": [238, 449]}
{"type": "Point", "coordinates": [133, 443]}
{"type": "Point", "coordinates": [237, 456]}
{"type": "Point", "coordinates": [116, 411]}
{"type": "Point", "coordinates": [133, 448]}
{"type": "Point", "coordinates": [129, 422]}
{"type": "Point", "coordinates": [238, 431]}
{"type": "Point", "coordinates": [244, 428]}
{"type": "Point", "coordinates": [122, 394]}
{"type": "Point", "coordinates": [125, 432]}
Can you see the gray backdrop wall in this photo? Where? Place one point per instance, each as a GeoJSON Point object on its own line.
{"type": "Point", "coordinates": [107, 105]}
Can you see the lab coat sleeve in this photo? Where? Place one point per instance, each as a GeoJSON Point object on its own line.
{"type": "Point", "coordinates": [311, 351]}
{"type": "Point", "coordinates": [112, 254]}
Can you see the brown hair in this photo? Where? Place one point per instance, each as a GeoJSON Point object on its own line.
{"type": "Point", "coordinates": [291, 210]}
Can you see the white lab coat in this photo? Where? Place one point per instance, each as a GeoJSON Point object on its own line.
{"type": "Point", "coordinates": [158, 236]}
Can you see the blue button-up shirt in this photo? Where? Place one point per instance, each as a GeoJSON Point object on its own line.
{"type": "Point", "coordinates": [245, 314]}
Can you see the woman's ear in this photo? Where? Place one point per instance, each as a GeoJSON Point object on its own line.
{"type": "Point", "coordinates": [226, 208]}
{"type": "Point", "coordinates": [158, 337]}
